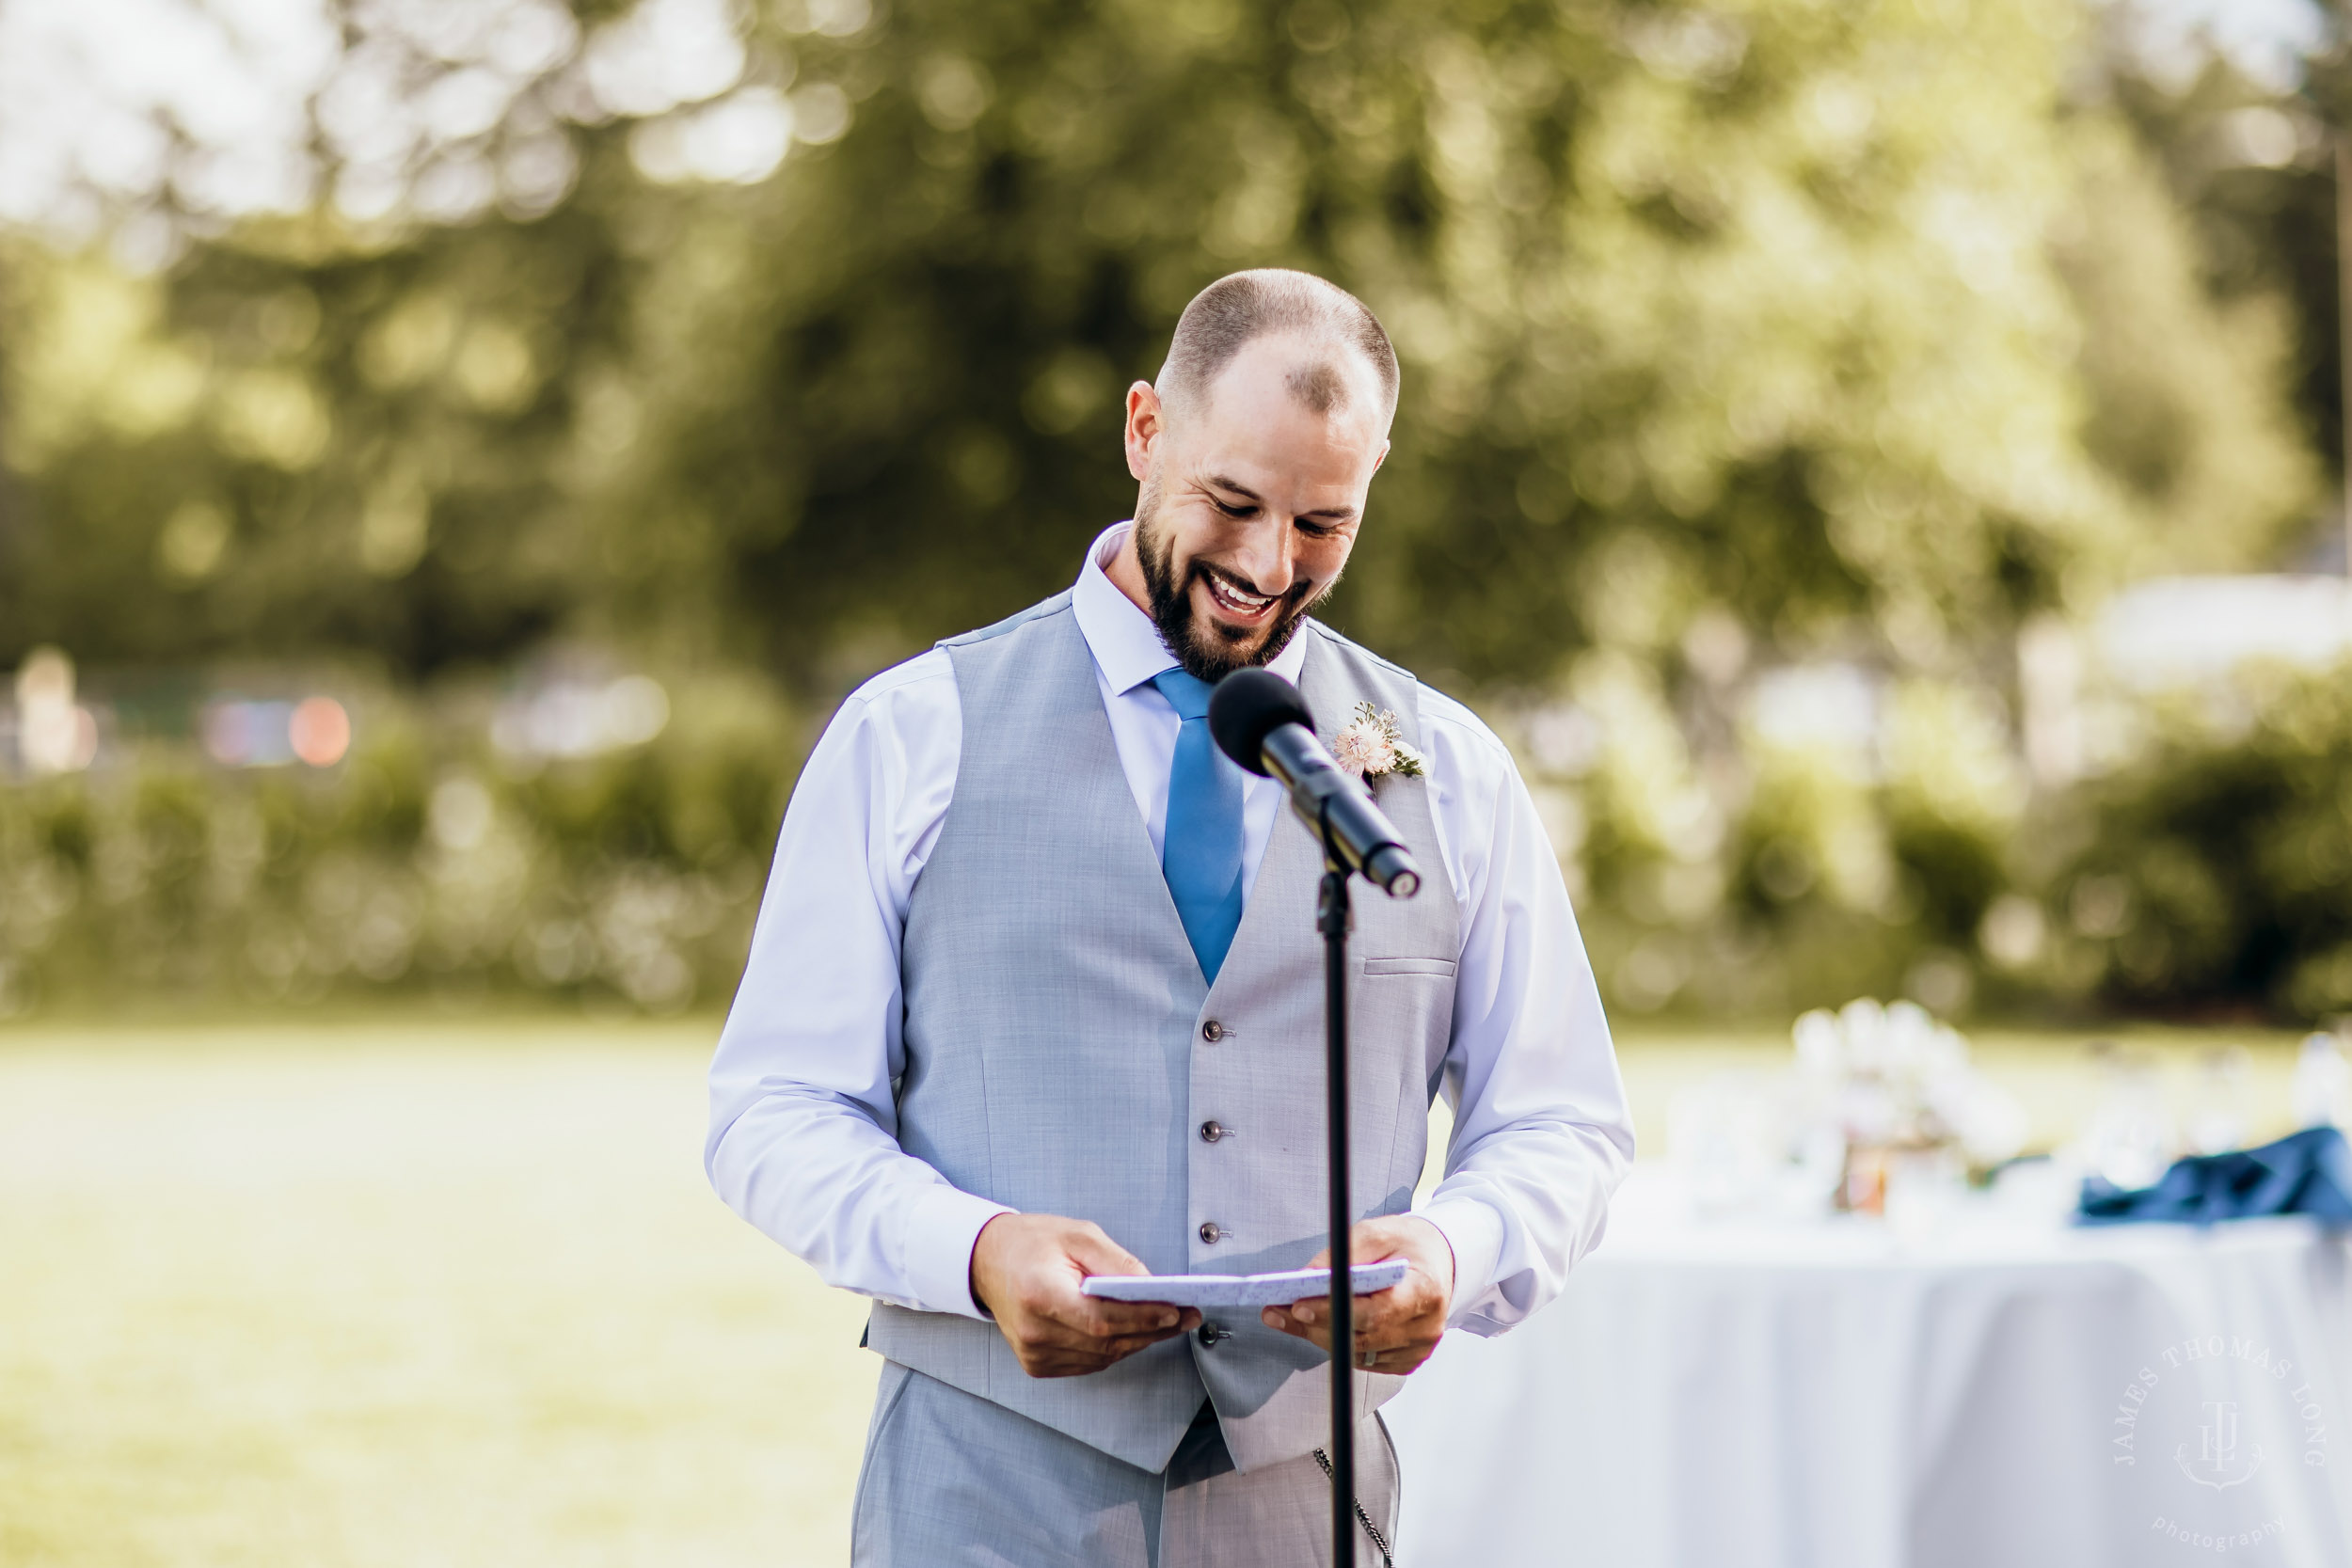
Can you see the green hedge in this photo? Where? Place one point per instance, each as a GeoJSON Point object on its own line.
{"type": "Point", "coordinates": [425, 862]}
{"type": "Point", "coordinates": [2213, 872]}
{"type": "Point", "coordinates": [2209, 873]}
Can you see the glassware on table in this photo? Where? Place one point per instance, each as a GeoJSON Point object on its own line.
{"type": "Point", "coordinates": [2320, 1093]}
{"type": "Point", "coordinates": [1818, 1166]}
{"type": "Point", "coordinates": [1924, 1190]}
{"type": "Point", "coordinates": [2038, 1189]}
{"type": "Point", "coordinates": [2219, 1121]}
{"type": "Point", "coordinates": [2131, 1138]}
{"type": "Point", "coordinates": [1728, 1136]}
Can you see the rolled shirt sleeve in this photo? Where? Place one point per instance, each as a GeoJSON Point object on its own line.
{"type": "Point", "coordinates": [803, 1122]}
{"type": "Point", "coordinates": [1541, 1133]}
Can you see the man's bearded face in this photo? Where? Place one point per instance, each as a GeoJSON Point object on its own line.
{"type": "Point", "coordinates": [1252, 489]}
{"type": "Point", "coordinates": [1209, 648]}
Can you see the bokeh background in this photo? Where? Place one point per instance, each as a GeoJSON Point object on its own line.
{"type": "Point", "coordinates": [1878, 462]}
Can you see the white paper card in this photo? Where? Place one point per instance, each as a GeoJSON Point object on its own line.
{"type": "Point", "coordinates": [1241, 1289]}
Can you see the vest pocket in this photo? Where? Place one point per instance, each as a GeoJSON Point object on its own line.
{"type": "Point", "coordinates": [1406, 1001]}
{"type": "Point", "coordinates": [1408, 966]}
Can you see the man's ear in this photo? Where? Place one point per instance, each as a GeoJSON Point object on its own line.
{"type": "Point", "coordinates": [1382, 458]}
{"type": "Point", "coordinates": [1147, 425]}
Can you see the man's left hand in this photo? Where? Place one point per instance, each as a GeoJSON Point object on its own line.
{"type": "Point", "coordinates": [1396, 1328]}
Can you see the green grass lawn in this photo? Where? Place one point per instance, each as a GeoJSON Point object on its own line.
{"type": "Point", "coordinates": [416, 1294]}
{"type": "Point", "coordinates": [401, 1297]}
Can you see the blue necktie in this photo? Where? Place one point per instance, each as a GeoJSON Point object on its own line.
{"type": "Point", "coordinates": [1201, 851]}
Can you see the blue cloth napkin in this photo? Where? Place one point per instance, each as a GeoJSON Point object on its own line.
{"type": "Point", "coordinates": [2306, 1173]}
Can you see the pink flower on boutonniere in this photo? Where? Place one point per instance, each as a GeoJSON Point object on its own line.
{"type": "Point", "coordinates": [1370, 746]}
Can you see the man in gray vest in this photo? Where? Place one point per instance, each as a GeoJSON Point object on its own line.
{"type": "Point", "coordinates": [1036, 994]}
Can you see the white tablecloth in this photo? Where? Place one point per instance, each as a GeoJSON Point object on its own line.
{"type": "Point", "coordinates": [1825, 1395]}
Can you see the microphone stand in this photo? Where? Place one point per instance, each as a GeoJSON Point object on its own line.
{"type": "Point", "coordinates": [1333, 916]}
{"type": "Point", "coordinates": [1249, 715]}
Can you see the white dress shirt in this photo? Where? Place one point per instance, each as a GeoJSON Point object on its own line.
{"type": "Point", "coordinates": [804, 1123]}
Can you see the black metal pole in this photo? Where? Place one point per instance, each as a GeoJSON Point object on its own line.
{"type": "Point", "coordinates": [1332, 920]}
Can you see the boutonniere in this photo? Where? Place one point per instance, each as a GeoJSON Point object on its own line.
{"type": "Point", "coordinates": [1370, 746]}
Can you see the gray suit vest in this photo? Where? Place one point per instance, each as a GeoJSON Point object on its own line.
{"type": "Point", "coordinates": [1063, 1050]}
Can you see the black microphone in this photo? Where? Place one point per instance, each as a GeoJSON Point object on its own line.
{"type": "Point", "coordinates": [1262, 723]}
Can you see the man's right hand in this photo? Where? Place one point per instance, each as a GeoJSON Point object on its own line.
{"type": "Point", "coordinates": [1025, 1272]}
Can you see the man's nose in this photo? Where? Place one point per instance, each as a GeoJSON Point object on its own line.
{"type": "Point", "coordinates": [1265, 557]}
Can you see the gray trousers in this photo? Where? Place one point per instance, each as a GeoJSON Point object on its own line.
{"type": "Point", "coordinates": [954, 1481]}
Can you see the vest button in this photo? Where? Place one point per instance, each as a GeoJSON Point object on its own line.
{"type": "Point", "coordinates": [1212, 1031]}
{"type": "Point", "coordinates": [1211, 1132]}
{"type": "Point", "coordinates": [1210, 1232]}
{"type": "Point", "coordinates": [1210, 1334]}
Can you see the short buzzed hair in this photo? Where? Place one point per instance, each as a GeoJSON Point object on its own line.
{"type": "Point", "coordinates": [1243, 306]}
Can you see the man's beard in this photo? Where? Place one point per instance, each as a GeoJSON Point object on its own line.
{"type": "Point", "coordinates": [1202, 650]}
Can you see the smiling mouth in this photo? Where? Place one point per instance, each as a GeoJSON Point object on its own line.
{"type": "Point", "coordinates": [1239, 603]}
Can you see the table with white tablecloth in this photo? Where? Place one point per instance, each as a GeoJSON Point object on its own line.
{"type": "Point", "coordinates": [1994, 1389]}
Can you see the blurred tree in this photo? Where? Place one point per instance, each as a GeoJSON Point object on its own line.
{"type": "Point", "coordinates": [2210, 179]}
{"type": "Point", "coordinates": [293, 444]}
{"type": "Point", "coordinates": [1697, 304]}
{"type": "Point", "coordinates": [1705, 309]}
{"type": "Point", "coordinates": [2190, 377]}
{"type": "Point", "coordinates": [2209, 873]}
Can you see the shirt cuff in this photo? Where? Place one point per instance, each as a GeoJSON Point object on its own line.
{"type": "Point", "coordinates": [1474, 1231]}
{"type": "Point", "coordinates": [939, 1237]}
